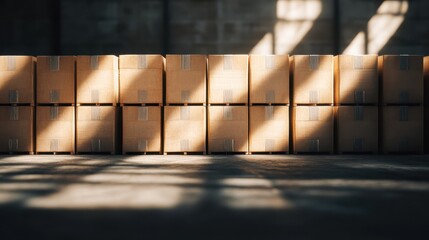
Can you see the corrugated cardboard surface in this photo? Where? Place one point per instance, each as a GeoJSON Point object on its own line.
{"type": "Point", "coordinates": [228, 129]}
{"type": "Point", "coordinates": [426, 103]}
{"type": "Point", "coordinates": [140, 78]}
{"type": "Point", "coordinates": [141, 129]}
{"type": "Point", "coordinates": [97, 79]}
{"type": "Point", "coordinates": [55, 79]}
{"type": "Point", "coordinates": [357, 129]}
{"type": "Point", "coordinates": [228, 78]}
{"type": "Point", "coordinates": [313, 79]}
{"type": "Point", "coordinates": [16, 129]}
{"type": "Point", "coordinates": [186, 78]}
{"type": "Point", "coordinates": [269, 78]}
{"type": "Point", "coordinates": [402, 79]}
{"type": "Point", "coordinates": [313, 129]}
{"type": "Point", "coordinates": [95, 129]}
{"type": "Point", "coordinates": [356, 79]}
{"type": "Point", "coordinates": [269, 129]}
{"type": "Point", "coordinates": [403, 129]}
{"type": "Point", "coordinates": [55, 129]}
{"type": "Point", "coordinates": [184, 129]}
{"type": "Point", "coordinates": [17, 79]}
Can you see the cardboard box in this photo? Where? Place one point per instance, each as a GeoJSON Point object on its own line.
{"type": "Point", "coordinates": [97, 79]}
{"type": "Point", "coordinates": [141, 129]}
{"type": "Point", "coordinates": [56, 79]}
{"type": "Point", "coordinates": [356, 79]}
{"type": "Point", "coordinates": [228, 78]}
{"type": "Point", "coordinates": [313, 129]}
{"type": "Point", "coordinates": [228, 129]}
{"type": "Point", "coordinates": [55, 129]}
{"type": "Point", "coordinates": [269, 79]}
{"type": "Point", "coordinates": [402, 79]}
{"type": "Point", "coordinates": [95, 129]}
{"type": "Point", "coordinates": [17, 79]}
{"type": "Point", "coordinates": [186, 79]}
{"type": "Point", "coordinates": [16, 129]}
{"type": "Point", "coordinates": [403, 129]}
{"type": "Point", "coordinates": [140, 78]}
{"type": "Point", "coordinates": [357, 129]}
{"type": "Point", "coordinates": [185, 129]}
{"type": "Point", "coordinates": [269, 129]}
{"type": "Point", "coordinates": [313, 79]}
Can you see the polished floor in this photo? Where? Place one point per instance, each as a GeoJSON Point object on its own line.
{"type": "Point", "coordinates": [214, 197]}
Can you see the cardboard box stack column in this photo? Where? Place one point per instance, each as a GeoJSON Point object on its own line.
{"type": "Point", "coordinates": [402, 98]}
{"type": "Point", "coordinates": [186, 97]}
{"type": "Point", "coordinates": [356, 95]}
{"type": "Point", "coordinates": [184, 129]}
{"type": "Point", "coordinates": [228, 129]}
{"type": "Point", "coordinates": [313, 99]}
{"type": "Point", "coordinates": [228, 103]}
{"type": "Point", "coordinates": [141, 99]}
{"type": "Point", "coordinates": [269, 103]}
{"type": "Point", "coordinates": [17, 100]}
{"type": "Point", "coordinates": [426, 102]}
{"type": "Point", "coordinates": [96, 96]}
{"type": "Point", "coordinates": [55, 111]}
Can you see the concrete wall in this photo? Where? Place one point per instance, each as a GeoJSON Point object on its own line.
{"type": "Point", "coordinates": [213, 26]}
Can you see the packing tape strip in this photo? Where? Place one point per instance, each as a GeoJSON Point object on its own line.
{"type": "Point", "coordinates": [269, 145]}
{"type": "Point", "coordinates": [357, 62]}
{"type": "Point", "coordinates": [54, 145]}
{"type": "Point", "coordinates": [54, 63]}
{"type": "Point", "coordinates": [94, 62]}
{"type": "Point", "coordinates": [313, 96]}
{"type": "Point", "coordinates": [227, 62]}
{"type": "Point", "coordinates": [228, 145]}
{"type": "Point", "coordinates": [227, 113]}
{"type": "Point", "coordinates": [13, 113]}
{"type": "Point", "coordinates": [403, 113]}
{"type": "Point", "coordinates": [141, 62]}
{"type": "Point", "coordinates": [313, 113]}
{"type": "Point", "coordinates": [185, 62]}
{"type": "Point", "coordinates": [184, 145]}
{"type": "Point", "coordinates": [269, 112]}
{"type": "Point", "coordinates": [54, 113]}
{"type": "Point", "coordinates": [270, 62]}
{"type": "Point", "coordinates": [95, 113]}
{"type": "Point", "coordinates": [142, 145]}
{"type": "Point", "coordinates": [11, 63]}
{"type": "Point", "coordinates": [314, 62]}
{"type": "Point", "coordinates": [143, 113]}
{"type": "Point", "coordinates": [358, 113]}
{"type": "Point", "coordinates": [185, 113]}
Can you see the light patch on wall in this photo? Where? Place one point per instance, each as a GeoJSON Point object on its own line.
{"type": "Point", "coordinates": [381, 27]}
{"type": "Point", "coordinates": [357, 46]}
{"type": "Point", "coordinates": [294, 20]}
{"type": "Point", "coordinates": [264, 46]}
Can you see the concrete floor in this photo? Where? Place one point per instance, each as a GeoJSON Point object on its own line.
{"type": "Point", "coordinates": [214, 197]}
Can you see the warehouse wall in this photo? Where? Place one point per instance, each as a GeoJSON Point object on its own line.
{"type": "Point", "coordinates": [214, 26]}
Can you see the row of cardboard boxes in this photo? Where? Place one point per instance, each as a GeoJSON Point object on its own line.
{"type": "Point", "coordinates": [213, 79]}
{"type": "Point", "coordinates": [200, 129]}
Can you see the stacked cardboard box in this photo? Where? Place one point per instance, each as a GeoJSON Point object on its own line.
{"type": "Point", "coordinates": [16, 129]}
{"type": "Point", "coordinates": [17, 100]}
{"type": "Point", "coordinates": [141, 129]}
{"type": "Point", "coordinates": [184, 129]}
{"type": "Point", "coordinates": [55, 121]}
{"type": "Point", "coordinates": [55, 129]}
{"type": "Point", "coordinates": [141, 98]}
{"type": "Point", "coordinates": [356, 94]}
{"type": "Point", "coordinates": [186, 79]}
{"type": "Point", "coordinates": [313, 129]}
{"type": "Point", "coordinates": [313, 99]}
{"type": "Point", "coordinates": [269, 129]}
{"type": "Point", "coordinates": [96, 96]}
{"type": "Point", "coordinates": [95, 131]}
{"type": "Point", "coordinates": [402, 96]}
{"type": "Point", "coordinates": [228, 89]}
{"type": "Point", "coordinates": [97, 79]}
{"type": "Point", "coordinates": [140, 78]}
{"type": "Point", "coordinates": [228, 79]}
